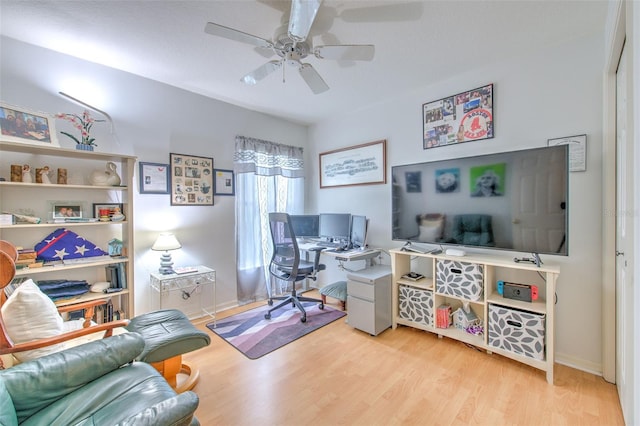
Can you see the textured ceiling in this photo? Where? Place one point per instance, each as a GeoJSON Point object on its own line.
{"type": "Point", "coordinates": [417, 43]}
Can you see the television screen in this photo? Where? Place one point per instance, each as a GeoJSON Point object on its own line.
{"type": "Point", "coordinates": [513, 200]}
{"type": "Point", "coordinates": [358, 231]}
{"type": "Point", "coordinates": [336, 226]}
{"type": "Point", "coordinates": [305, 226]}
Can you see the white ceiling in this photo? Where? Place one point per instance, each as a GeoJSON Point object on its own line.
{"type": "Point", "coordinates": [417, 43]}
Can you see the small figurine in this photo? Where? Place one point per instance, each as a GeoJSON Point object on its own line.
{"type": "Point", "coordinates": [44, 175]}
{"type": "Point", "coordinates": [117, 215]}
{"type": "Point", "coordinates": [108, 177]}
{"type": "Point", "coordinates": [26, 174]}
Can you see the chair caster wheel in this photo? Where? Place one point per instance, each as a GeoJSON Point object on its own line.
{"type": "Point", "coordinates": [321, 306]}
{"type": "Point", "coordinates": [303, 319]}
{"type": "Point", "coordinates": [267, 316]}
{"type": "Point", "coordinates": [270, 302]}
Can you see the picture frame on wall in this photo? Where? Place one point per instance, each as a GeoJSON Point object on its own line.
{"type": "Point", "coordinates": [363, 164]}
{"type": "Point", "coordinates": [22, 125]}
{"type": "Point", "coordinates": [224, 182]}
{"type": "Point", "coordinates": [191, 180]}
{"type": "Point", "coordinates": [154, 178]}
{"type": "Point", "coordinates": [577, 151]}
{"type": "Point", "coordinates": [463, 117]}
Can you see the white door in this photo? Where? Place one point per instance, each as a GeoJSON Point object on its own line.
{"type": "Point", "coordinates": [540, 182]}
{"type": "Point", "coordinates": [624, 203]}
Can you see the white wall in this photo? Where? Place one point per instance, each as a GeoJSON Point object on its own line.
{"type": "Point", "coordinates": [546, 94]}
{"type": "Point", "coordinates": [150, 121]}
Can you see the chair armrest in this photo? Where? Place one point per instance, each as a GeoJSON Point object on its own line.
{"type": "Point", "coordinates": [61, 338]}
{"type": "Point", "coordinates": [36, 384]}
{"type": "Point", "coordinates": [176, 411]}
{"type": "Point", "coordinates": [88, 306]}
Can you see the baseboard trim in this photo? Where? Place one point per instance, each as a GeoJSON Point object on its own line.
{"type": "Point", "coordinates": [579, 364]}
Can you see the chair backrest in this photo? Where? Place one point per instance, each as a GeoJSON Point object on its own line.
{"type": "Point", "coordinates": [286, 255]}
{"type": "Point", "coordinates": [473, 229]}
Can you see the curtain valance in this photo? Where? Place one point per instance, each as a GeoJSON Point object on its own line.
{"type": "Point", "coordinates": [266, 158]}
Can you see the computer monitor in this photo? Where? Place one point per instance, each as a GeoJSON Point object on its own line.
{"type": "Point", "coordinates": [358, 231]}
{"type": "Point", "coordinates": [336, 226]}
{"type": "Point", "coordinates": [306, 225]}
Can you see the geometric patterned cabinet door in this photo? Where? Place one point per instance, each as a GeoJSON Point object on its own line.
{"type": "Point", "coordinates": [517, 331]}
{"type": "Point", "coordinates": [459, 279]}
{"type": "Point", "coordinates": [415, 304]}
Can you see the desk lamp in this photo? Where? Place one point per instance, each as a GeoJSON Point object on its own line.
{"type": "Point", "coordinates": [165, 242]}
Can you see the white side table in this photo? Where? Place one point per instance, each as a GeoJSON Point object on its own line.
{"type": "Point", "coordinates": [187, 283]}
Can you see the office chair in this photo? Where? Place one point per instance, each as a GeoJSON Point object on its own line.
{"type": "Point", "coordinates": [286, 264]}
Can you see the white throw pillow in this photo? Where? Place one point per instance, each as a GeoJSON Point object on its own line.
{"type": "Point", "coordinates": [430, 233]}
{"type": "Point", "coordinates": [29, 315]}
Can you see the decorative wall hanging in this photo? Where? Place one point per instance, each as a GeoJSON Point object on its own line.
{"type": "Point", "coordinates": [154, 178]}
{"type": "Point", "coordinates": [224, 182]}
{"type": "Point", "coordinates": [191, 180]}
{"type": "Point", "coordinates": [467, 116]}
{"type": "Point", "coordinates": [577, 151]}
{"type": "Point", "coordinates": [363, 164]}
{"type": "Point", "coordinates": [24, 126]}
{"type": "Point", "coordinates": [487, 181]}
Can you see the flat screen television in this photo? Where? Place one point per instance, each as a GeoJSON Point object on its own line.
{"type": "Point", "coordinates": [306, 226]}
{"type": "Point", "coordinates": [515, 200]}
{"type": "Point", "coordinates": [335, 226]}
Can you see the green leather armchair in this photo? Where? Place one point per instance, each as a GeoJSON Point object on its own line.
{"type": "Point", "coordinates": [97, 383]}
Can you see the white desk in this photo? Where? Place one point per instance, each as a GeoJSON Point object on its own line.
{"type": "Point", "coordinates": [346, 255]}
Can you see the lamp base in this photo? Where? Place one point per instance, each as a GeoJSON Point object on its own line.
{"type": "Point", "coordinates": [166, 265]}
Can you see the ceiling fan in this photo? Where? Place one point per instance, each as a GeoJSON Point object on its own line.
{"type": "Point", "coordinates": [292, 45]}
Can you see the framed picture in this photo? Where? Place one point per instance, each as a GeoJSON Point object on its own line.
{"type": "Point", "coordinates": [191, 180]}
{"type": "Point", "coordinates": [363, 164]}
{"type": "Point", "coordinates": [101, 211]}
{"type": "Point", "coordinates": [66, 210]}
{"type": "Point", "coordinates": [577, 151]}
{"type": "Point", "coordinates": [224, 182]}
{"type": "Point", "coordinates": [464, 117]}
{"type": "Point", "coordinates": [413, 181]}
{"type": "Point", "coordinates": [154, 178]}
{"type": "Point", "coordinates": [447, 180]}
{"type": "Point", "coordinates": [24, 126]}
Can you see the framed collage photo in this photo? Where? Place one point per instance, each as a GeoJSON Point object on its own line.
{"type": "Point", "coordinates": [191, 180]}
{"type": "Point", "coordinates": [464, 117]}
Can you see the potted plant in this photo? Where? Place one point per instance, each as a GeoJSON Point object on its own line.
{"type": "Point", "coordinates": [83, 123]}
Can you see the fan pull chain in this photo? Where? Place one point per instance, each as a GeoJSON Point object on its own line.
{"type": "Point", "coordinates": [283, 68]}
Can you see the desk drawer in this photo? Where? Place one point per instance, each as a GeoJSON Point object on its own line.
{"type": "Point", "coordinates": [361, 290]}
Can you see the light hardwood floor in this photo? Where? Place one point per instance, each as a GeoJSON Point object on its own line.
{"type": "Point", "coordinates": [341, 376]}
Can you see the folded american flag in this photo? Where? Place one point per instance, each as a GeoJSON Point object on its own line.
{"type": "Point", "coordinates": [65, 244]}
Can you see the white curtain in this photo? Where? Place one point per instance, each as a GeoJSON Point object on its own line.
{"type": "Point", "coordinates": [269, 178]}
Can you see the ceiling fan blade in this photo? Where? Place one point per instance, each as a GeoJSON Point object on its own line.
{"type": "Point", "coordinates": [261, 72]}
{"type": "Point", "coordinates": [349, 52]}
{"type": "Point", "coordinates": [313, 79]}
{"type": "Point", "coordinates": [303, 13]}
{"type": "Point", "coordinates": [233, 34]}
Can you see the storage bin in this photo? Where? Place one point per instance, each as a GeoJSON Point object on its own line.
{"type": "Point", "coordinates": [517, 331]}
{"type": "Point", "coordinates": [459, 279]}
{"type": "Point", "coordinates": [415, 304]}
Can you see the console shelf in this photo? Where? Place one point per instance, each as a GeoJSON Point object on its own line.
{"type": "Point", "coordinates": [474, 284]}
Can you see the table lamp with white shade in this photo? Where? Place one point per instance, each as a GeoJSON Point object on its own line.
{"type": "Point", "coordinates": [166, 241]}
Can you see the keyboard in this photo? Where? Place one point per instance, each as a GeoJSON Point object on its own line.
{"type": "Point", "coordinates": [327, 244]}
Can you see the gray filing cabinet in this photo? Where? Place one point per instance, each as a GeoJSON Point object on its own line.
{"type": "Point", "coordinates": [369, 299]}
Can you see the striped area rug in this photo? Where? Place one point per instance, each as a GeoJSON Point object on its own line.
{"type": "Point", "coordinates": [255, 336]}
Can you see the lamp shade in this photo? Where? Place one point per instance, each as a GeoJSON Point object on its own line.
{"type": "Point", "coordinates": [166, 241]}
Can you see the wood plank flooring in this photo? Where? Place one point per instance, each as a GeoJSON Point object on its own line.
{"type": "Point", "coordinates": [341, 376]}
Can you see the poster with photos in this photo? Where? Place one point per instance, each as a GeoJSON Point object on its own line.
{"type": "Point", "coordinates": [191, 180]}
{"type": "Point", "coordinates": [464, 117]}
